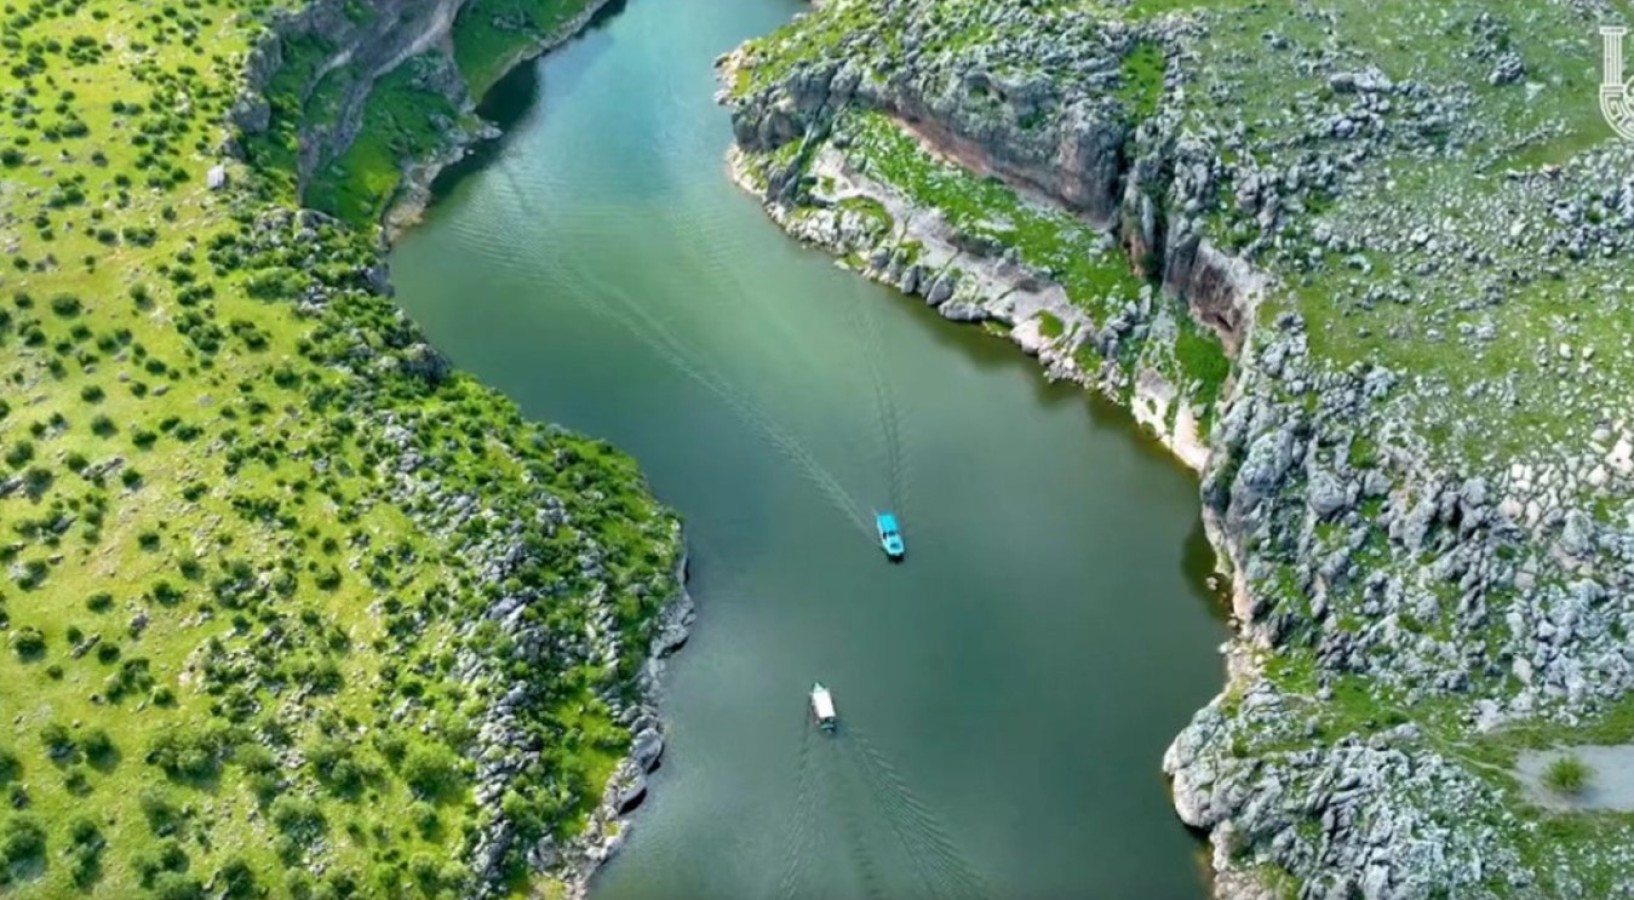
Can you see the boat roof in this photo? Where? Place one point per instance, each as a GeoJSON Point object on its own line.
{"type": "Point", "coordinates": [886, 520]}
{"type": "Point", "coordinates": [822, 704]}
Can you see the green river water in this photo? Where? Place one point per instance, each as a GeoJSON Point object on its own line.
{"type": "Point", "coordinates": [1007, 693]}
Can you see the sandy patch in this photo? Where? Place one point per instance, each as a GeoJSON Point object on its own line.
{"type": "Point", "coordinates": [1610, 784]}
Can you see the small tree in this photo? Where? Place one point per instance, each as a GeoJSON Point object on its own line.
{"type": "Point", "coordinates": [431, 770]}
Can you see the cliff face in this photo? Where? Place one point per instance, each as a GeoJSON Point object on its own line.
{"type": "Point", "coordinates": [1407, 617]}
{"type": "Point", "coordinates": [364, 102]}
{"type": "Point", "coordinates": [345, 48]}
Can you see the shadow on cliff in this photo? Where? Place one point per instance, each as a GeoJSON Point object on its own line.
{"type": "Point", "coordinates": [510, 101]}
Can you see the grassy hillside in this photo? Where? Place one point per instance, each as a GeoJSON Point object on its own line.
{"type": "Point", "coordinates": [253, 525]}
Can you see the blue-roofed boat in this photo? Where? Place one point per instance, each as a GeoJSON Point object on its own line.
{"type": "Point", "coordinates": [890, 536]}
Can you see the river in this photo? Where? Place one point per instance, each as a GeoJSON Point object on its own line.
{"type": "Point", "coordinates": [1006, 693]}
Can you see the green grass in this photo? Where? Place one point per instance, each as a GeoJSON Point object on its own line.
{"type": "Point", "coordinates": [484, 50]}
{"type": "Point", "coordinates": [1202, 358]}
{"type": "Point", "coordinates": [233, 638]}
{"type": "Point", "coordinates": [1142, 86]}
{"type": "Point", "coordinates": [1093, 274]}
{"type": "Point", "coordinates": [399, 126]}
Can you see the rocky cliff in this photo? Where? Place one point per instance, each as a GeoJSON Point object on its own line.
{"type": "Point", "coordinates": [364, 102]}
{"type": "Point", "coordinates": [343, 49]}
{"type": "Point", "coordinates": [1418, 471]}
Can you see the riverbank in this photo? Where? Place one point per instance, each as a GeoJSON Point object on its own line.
{"type": "Point", "coordinates": [413, 193]}
{"type": "Point", "coordinates": [867, 224]}
{"type": "Point", "coordinates": [1411, 610]}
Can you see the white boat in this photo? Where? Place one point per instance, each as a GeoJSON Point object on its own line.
{"type": "Point", "coordinates": [822, 708]}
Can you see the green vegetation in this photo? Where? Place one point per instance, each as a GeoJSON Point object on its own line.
{"type": "Point", "coordinates": [251, 520]}
{"type": "Point", "coordinates": [1514, 128]}
{"type": "Point", "coordinates": [1567, 775]}
{"type": "Point", "coordinates": [1092, 270]}
{"type": "Point", "coordinates": [1433, 191]}
{"type": "Point", "coordinates": [1142, 85]}
{"type": "Point", "coordinates": [402, 122]}
{"type": "Point", "coordinates": [410, 113]}
{"type": "Point", "coordinates": [1202, 359]}
{"type": "Point", "coordinates": [489, 34]}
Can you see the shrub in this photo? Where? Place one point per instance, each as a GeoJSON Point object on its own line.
{"type": "Point", "coordinates": [21, 840]}
{"type": "Point", "coordinates": [162, 815]}
{"type": "Point", "coordinates": [255, 758]}
{"type": "Point", "coordinates": [58, 742]}
{"type": "Point", "coordinates": [1568, 775]}
{"type": "Point", "coordinates": [28, 643]}
{"type": "Point", "coordinates": [37, 480]}
{"type": "Point", "coordinates": [431, 770]}
{"type": "Point", "coordinates": [186, 756]}
{"type": "Point", "coordinates": [298, 818]}
{"type": "Point", "coordinates": [177, 886]}
{"type": "Point", "coordinates": [66, 305]}
{"type": "Point", "coordinates": [99, 747]}
{"type": "Point", "coordinates": [236, 879]}
{"type": "Point", "coordinates": [20, 454]}
{"type": "Point", "coordinates": [85, 851]}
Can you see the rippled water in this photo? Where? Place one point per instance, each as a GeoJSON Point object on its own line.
{"type": "Point", "coordinates": [1006, 694]}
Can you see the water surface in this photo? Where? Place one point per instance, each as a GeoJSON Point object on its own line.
{"type": "Point", "coordinates": [1007, 692]}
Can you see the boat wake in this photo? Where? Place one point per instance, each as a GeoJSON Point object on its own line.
{"type": "Point", "coordinates": [619, 307]}
{"type": "Point", "coordinates": [941, 868]}
{"type": "Point", "coordinates": [803, 825]}
{"type": "Point", "coordinates": [890, 420]}
{"type": "Point", "coordinates": [846, 788]}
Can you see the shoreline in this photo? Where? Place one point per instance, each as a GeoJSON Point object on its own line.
{"type": "Point", "coordinates": [610, 823]}
{"type": "Point", "coordinates": [578, 860]}
{"type": "Point", "coordinates": [1011, 297]}
{"type": "Point", "coordinates": [413, 195]}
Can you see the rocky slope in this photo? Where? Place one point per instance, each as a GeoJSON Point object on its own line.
{"type": "Point", "coordinates": [1418, 470]}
